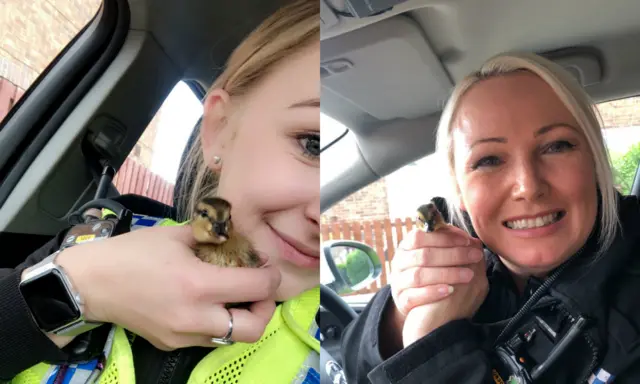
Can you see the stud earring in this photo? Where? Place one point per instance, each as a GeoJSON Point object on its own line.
{"type": "Point", "coordinates": [217, 160]}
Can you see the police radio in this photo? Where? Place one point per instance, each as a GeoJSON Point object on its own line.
{"type": "Point", "coordinates": [516, 365]}
{"type": "Point", "coordinates": [88, 222]}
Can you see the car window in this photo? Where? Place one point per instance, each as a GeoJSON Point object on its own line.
{"type": "Point", "coordinates": [339, 156]}
{"type": "Point", "coordinates": [152, 166]}
{"type": "Point", "coordinates": [382, 213]}
{"type": "Point", "coordinates": [32, 34]}
{"type": "Point", "coordinates": [621, 122]}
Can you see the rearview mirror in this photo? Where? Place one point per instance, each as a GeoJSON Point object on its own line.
{"type": "Point", "coordinates": [353, 265]}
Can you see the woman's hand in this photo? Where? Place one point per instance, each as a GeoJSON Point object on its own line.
{"type": "Point", "coordinates": [426, 269]}
{"type": "Point", "coordinates": [428, 265]}
{"type": "Point", "coordinates": [150, 282]}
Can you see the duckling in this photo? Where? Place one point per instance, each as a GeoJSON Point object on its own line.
{"type": "Point", "coordinates": [429, 218]}
{"type": "Point", "coordinates": [217, 241]}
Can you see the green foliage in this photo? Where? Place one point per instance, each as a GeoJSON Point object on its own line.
{"type": "Point", "coordinates": [624, 168]}
{"type": "Point", "coordinates": [356, 268]}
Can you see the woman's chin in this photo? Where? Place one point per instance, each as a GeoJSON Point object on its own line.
{"type": "Point", "coordinates": [535, 263]}
{"type": "Point", "coordinates": [292, 286]}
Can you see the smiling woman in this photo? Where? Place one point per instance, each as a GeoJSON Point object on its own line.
{"type": "Point", "coordinates": [532, 179]}
{"type": "Point", "coordinates": [153, 312]}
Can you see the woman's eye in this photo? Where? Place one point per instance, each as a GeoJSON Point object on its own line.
{"type": "Point", "coordinates": [310, 143]}
{"type": "Point", "coordinates": [559, 146]}
{"type": "Point", "coordinates": [488, 161]}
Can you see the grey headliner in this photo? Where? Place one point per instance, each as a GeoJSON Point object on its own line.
{"type": "Point", "coordinates": [405, 62]}
{"type": "Point", "coordinates": [199, 35]}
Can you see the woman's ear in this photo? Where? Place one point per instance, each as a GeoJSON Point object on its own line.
{"type": "Point", "coordinates": [213, 134]}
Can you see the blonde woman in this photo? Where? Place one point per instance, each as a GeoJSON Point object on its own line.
{"type": "Point", "coordinates": [547, 292]}
{"type": "Point", "coordinates": [259, 149]}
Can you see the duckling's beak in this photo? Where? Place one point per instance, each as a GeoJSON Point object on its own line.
{"type": "Point", "coordinates": [220, 229]}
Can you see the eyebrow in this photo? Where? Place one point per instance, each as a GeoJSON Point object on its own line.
{"type": "Point", "coordinates": [541, 131]}
{"type": "Point", "coordinates": [314, 103]}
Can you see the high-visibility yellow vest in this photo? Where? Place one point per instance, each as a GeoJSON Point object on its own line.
{"type": "Point", "coordinates": [288, 352]}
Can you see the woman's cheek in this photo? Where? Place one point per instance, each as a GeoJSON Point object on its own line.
{"type": "Point", "coordinates": [478, 201]}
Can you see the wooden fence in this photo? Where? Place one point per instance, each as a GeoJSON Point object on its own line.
{"type": "Point", "coordinates": [133, 177]}
{"type": "Point", "coordinates": [382, 235]}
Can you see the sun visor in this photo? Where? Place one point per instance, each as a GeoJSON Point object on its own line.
{"type": "Point", "coordinates": [583, 63]}
{"type": "Point", "coordinates": [387, 69]}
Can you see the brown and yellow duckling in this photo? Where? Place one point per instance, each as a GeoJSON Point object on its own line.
{"type": "Point", "coordinates": [217, 241]}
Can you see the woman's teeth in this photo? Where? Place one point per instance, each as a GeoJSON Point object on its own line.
{"type": "Point", "coordinates": [535, 222]}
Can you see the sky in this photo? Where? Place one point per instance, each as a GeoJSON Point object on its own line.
{"type": "Point", "coordinates": [180, 112]}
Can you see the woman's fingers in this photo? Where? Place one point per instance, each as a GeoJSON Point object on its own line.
{"type": "Point", "coordinates": [449, 237]}
{"type": "Point", "coordinates": [252, 322]}
{"type": "Point", "coordinates": [437, 257]}
{"type": "Point", "coordinates": [199, 325]}
{"type": "Point", "coordinates": [415, 297]}
{"type": "Point", "coordinates": [248, 324]}
{"type": "Point", "coordinates": [420, 277]}
{"type": "Point", "coordinates": [240, 284]}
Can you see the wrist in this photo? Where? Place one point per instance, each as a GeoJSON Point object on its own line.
{"type": "Point", "coordinates": [80, 269]}
{"type": "Point", "coordinates": [390, 331]}
{"type": "Point", "coordinates": [420, 322]}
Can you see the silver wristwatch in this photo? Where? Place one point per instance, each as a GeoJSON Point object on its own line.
{"type": "Point", "coordinates": [54, 303]}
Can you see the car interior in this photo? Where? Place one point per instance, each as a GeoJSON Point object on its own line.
{"type": "Point", "coordinates": [94, 101]}
{"type": "Point", "coordinates": [386, 74]}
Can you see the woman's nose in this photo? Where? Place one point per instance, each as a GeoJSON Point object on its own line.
{"type": "Point", "coordinates": [530, 183]}
{"type": "Point", "coordinates": [312, 211]}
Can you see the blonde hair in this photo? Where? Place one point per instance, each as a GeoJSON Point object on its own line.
{"type": "Point", "coordinates": [289, 30]}
{"type": "Point", "coordinates": [577, 102]}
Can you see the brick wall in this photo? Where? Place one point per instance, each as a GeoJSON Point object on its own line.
{"type": "Point", "coordinates": [145, 143]}
{"type": "Point", "coordinates": [371, 202]}
{"type": "Point", "coordinates": [621, 113]}
{"type": "Point", "coordinates": [32, 34]}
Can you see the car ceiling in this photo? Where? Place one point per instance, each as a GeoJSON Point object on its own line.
{"type": "Point", "coordinates": [394, 71]}
{"type": "Point", "coordinates": [198, 36]}
{"type": "Point", "coordinates": [167, 41]}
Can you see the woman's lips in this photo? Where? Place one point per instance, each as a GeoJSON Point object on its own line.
{"type": "Point", "coordinates": [296, 252]}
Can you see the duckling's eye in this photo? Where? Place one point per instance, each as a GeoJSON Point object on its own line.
{"type": "Point", "coordinates": [203, 213]}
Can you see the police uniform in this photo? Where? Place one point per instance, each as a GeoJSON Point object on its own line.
{"type": "Point", "coordinates": [603, 292]}
{"type": "Point", "coordinates": [288, 352]}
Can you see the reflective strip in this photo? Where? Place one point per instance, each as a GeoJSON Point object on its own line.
{"type": "Point", "coordinates": [73, 373]}
{"type": "Point", "coordinates": [82, 373]}
{"type": "Point", "coordinates": [601, 377]}
{"type": "Point", "coordinates": [142, 221]}
{"type": "Point", "coordinates": [308, 373]}
{"type": "Point", "coordinates": [314, 330]}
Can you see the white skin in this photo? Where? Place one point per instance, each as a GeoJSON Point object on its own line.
{"type": "Point", "coordinates": [150, 282]}
{"type": "Point", "coordinates": [270, 170]}
{"type": "Point", "coordinates": [518, 151]}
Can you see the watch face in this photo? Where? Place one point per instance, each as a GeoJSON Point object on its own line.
{"type": "Point", "coordinates": [49, 300]}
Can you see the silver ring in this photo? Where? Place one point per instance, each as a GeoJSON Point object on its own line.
{"type": "Point", "coordinates": [226, 340]}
